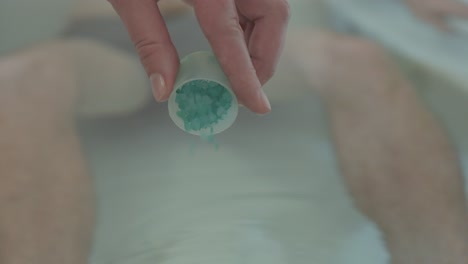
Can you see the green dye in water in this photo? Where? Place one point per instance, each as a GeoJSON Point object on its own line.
{"type": "Point", "coordinates": [202, 104]}
{"type": "Point", "coordinates": [210, 139]}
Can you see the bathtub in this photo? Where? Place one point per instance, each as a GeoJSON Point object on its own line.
{"type": "Point", "coordinates": [25, 22]}
{"type": "Point", "coordinates": [269, 193]}
{"type": "Point", "coordinates": [164, 196]}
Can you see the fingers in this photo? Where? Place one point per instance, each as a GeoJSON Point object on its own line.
{"type": "Point", "coordinates": [266, 40]}
{"type": "Point", "coordinates": [152, 42]}
{"type": "Point", "coordinates": [220, 23]}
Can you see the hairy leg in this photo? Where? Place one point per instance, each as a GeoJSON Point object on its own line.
{"type": "Point", "coordinates": [397, 161]}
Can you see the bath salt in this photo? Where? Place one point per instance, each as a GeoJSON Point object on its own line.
{"type": "Point", "coordinates": [202, 104]}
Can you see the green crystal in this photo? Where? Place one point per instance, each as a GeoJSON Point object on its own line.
{"type": "Point", "coordinates": [202, 104]}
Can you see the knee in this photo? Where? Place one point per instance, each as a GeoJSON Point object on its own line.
{"type": "Point", "coordinates": [344, 67]}
{"type": "Point", "coordinates": [357, 55]}
{"type": "Point", "coordinates": [353, 49]}
{"type": "Point", "coordinates": [36, 90]}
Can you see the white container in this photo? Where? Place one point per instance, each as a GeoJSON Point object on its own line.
{"type": "Point", "coordinates": [202, 66]}
{"type": "Point", "coordinates": [24, 22]}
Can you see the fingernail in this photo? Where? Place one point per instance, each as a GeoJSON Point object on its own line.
{"type": "Point", "coordinates": [159, 86]}
{"type": "Point", "coordinates": [265, 102]}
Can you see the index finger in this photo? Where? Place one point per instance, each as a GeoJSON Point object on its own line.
{"type": "Point", "coordinates": [220, 24]}
{"type": "Point", "coordinates": [148, 32]}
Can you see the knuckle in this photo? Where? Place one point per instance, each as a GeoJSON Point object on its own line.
{"type": "Point", "coordinates": [147, 49]}
{"type": "Point", "coordinates": [230, 29]}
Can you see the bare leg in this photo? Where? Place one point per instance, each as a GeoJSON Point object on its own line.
{"type": "Point", "coordinates": [46, 210]}
{"type": "Point", "coordinates": [396, 159]}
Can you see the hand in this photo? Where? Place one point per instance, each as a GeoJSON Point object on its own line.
{"type": "Point", "coordinates": [246, 36]}
{"type": "Point", "coordinates": [436, 12]}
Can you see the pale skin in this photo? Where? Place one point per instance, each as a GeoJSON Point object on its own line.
{"type": "Point", "coordinates": [46, 200]}
{"type": "Point", "coordinates": [397, 161]}
{"type": "Point", "coordinates": [246, 36]}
